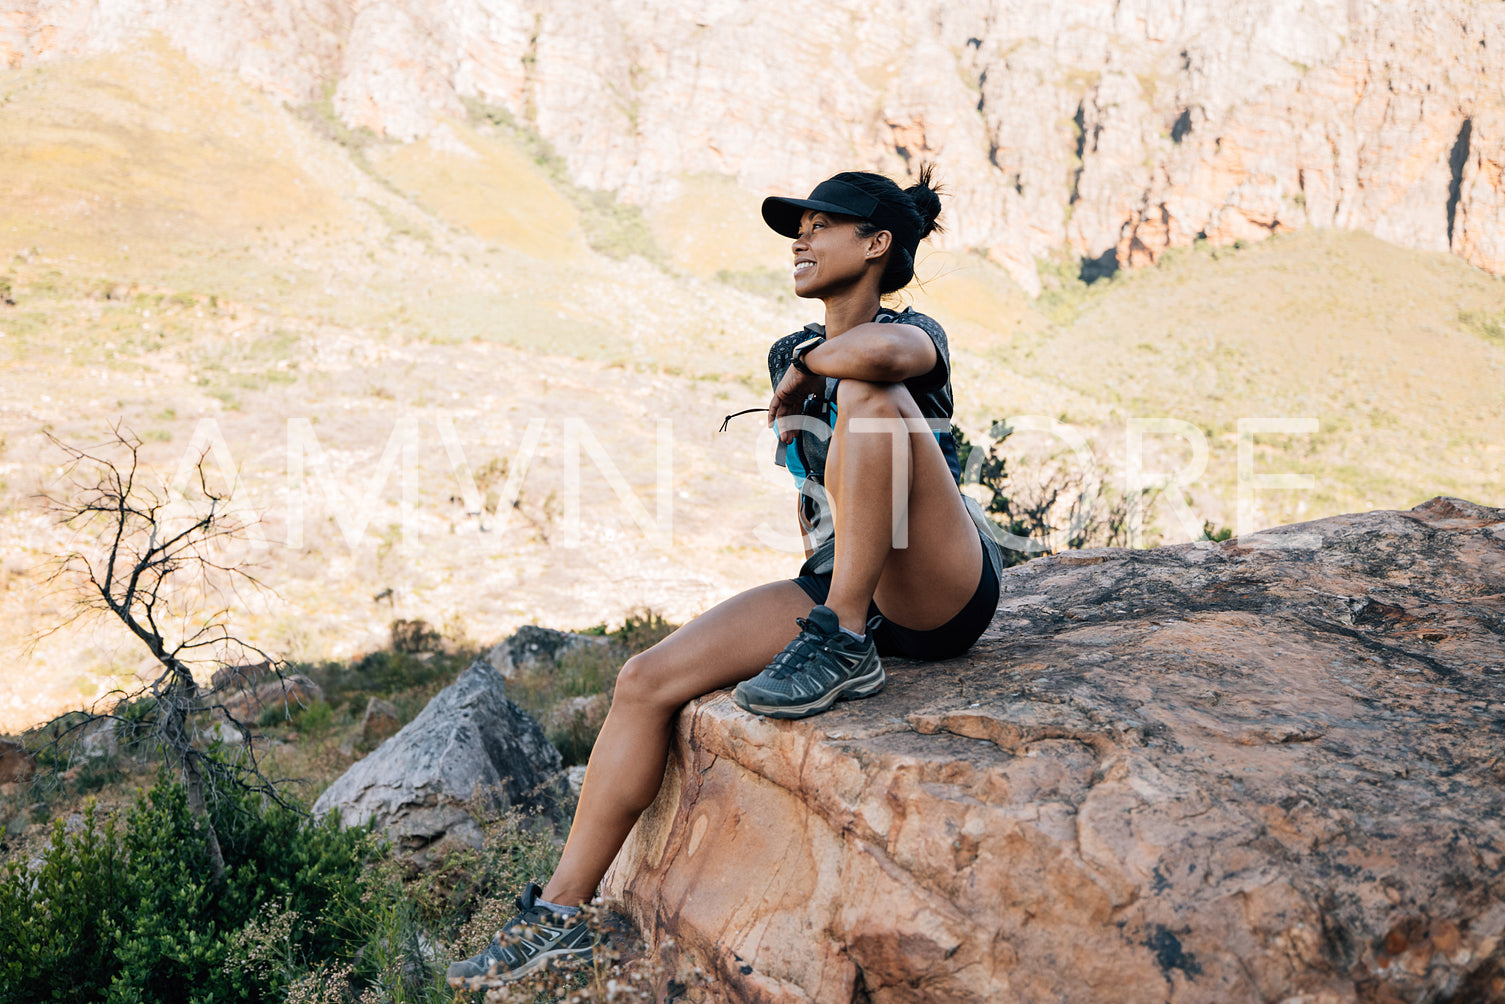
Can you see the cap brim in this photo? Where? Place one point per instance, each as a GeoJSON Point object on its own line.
{"type": "Point", "coordinates": [784, 215]}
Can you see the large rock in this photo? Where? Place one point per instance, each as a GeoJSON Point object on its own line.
{"type": "Point", "coordinates": [532, 648]}
{"type": "Point", "coordinates": [470, 743]}
{"type": "Point", "coordinates": [1112, 128]}
{"type": "Point", "coordinates": [1218, 772]}
{"type": "Point", "coordinates": [240, 677]}
{"type": "Point", "coordinates": [286, 692]}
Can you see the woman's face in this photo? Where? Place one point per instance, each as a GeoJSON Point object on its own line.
{"type": "Point", "coordinates": [829, 256]}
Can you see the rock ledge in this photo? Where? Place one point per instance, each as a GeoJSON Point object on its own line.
{"type": "Point", "coordinates": [1228, 772]}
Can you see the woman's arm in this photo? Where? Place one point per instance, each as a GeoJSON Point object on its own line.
{"type": "Point", "coordinates": [877, 353]}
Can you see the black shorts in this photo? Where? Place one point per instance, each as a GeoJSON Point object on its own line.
{"type": "Point", "coordinates": [948, 641]}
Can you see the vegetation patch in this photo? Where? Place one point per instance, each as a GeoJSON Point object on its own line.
{"type": "Point", "coordinates": [123, 909]}
{"type": "Point", "coordinates": [1488, 326]}
{"type": "Point", "coordinates": [571, 694]}
{"type": "Point", "coordinates": [613, 228]}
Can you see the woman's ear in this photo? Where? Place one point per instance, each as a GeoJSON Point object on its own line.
{"type": "Point", "coordinates": [878, 243]}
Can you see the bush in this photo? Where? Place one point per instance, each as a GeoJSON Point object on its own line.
{"type": "Point", "coordinates": [413, 636]}
{"type": "Point", "coordinates": [382, 673]}
{"type": "Point", "coordinates": [125, 911]}
{"type": "Point", "coordinates": [315, 719]}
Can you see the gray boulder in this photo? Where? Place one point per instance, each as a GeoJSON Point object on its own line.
{"type": "Point", "coordinates": [532, 647]}
{"type": "Point", "coordinates": [469, 747]}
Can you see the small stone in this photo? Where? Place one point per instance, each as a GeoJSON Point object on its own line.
{"type": "Point", "coordinates": [287, 692]}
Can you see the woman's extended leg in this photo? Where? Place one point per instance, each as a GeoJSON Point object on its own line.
{"type": "Point", "coordinates": [881, 440]}
{"type": "Point", "coordinates": [725, 645]}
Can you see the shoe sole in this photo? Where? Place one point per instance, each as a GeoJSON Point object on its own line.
{"type": "Point", "coordinates": [528, 968]}
{"type": "Point", "coordinates": [861, 686]}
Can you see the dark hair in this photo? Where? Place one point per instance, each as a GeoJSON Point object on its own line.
{"type": "Point", "coordinates": [910, 214]}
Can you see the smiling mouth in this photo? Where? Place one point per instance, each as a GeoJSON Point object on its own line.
{"type": "Point", "coordinates": [801, 266]}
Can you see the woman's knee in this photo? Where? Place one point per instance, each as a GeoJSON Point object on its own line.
{"type": "Point", "coordinates": [641, 680]}
{"type": "Point", "coordinates": [862, 397]}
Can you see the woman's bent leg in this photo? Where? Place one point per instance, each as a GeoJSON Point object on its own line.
{"type": "Point", "coordinates": [725, 645]}
{"type": "Point", "coordinates": [881, 442]}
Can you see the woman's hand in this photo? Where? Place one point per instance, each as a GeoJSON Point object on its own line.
{"type": "Point", "coordinates": [789, 395]}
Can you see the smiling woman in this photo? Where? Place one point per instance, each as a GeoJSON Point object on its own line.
{"type": "Point", "coordinates": [895, 561]}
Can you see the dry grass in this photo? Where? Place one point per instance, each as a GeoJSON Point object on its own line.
{"type": "Point", "coordinates": [1362, 336]}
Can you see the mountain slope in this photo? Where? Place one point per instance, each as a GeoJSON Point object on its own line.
{"type": "Point", "coordinates": [196, 260]}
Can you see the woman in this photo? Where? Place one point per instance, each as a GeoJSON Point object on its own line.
{"type": "Point", "coordinates": [862, 405]}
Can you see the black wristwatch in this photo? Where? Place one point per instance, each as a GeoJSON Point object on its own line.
{"type": "Point", "coordinates": [797, 357]}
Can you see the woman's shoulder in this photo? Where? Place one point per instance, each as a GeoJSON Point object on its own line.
{"type": "Point", "coordinates": [909, 315]}
{"type": "Point", "coordinates": [924, 322]}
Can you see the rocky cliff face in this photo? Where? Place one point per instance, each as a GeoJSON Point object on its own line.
{"type": "Point", "coordinates": [1114, 129]}
{"type": "Point", "coordinates": [1218, 773]}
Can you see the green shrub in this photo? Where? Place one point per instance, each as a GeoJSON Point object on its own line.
{"type": "Point", "coordinates": [126, 912]}
{"type": "Point", "coordinates": [414, 636]}
{"type": "Point", "coordinates": [315, 719]}
{"type": "Point", "coordinates": [1212, 532]}
{"type": "Point", "coordinates": [383, 673]}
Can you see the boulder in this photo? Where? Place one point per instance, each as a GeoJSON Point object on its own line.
{"type": "Point", "coordinates": [100, 738]}
{"type": "Point", "coordinates": [17, 765]}
{"type": "Point", "coordinates": [284, 692]}
{"type": "Point", "coordinates": [577, 714]}
{"type": "Point", "coordinates": [379, 722]}
{"type": "Point", "coordinates": [239, 677]}
{"type": "Point", "coordinates": [531, 647]}
{"type": "Point", "coordinates": [1198, 773]}
{"type": "Point", "coordinates": [469, 743]}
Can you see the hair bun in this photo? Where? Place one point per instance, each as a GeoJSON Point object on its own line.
{"type": "Point", "coordinates": [926, 196]}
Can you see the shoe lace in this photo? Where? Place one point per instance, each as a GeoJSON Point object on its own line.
{"type": "Point", "coordinates": [526, 917]}
{"type": "Point", "coordinates": [791, 660]}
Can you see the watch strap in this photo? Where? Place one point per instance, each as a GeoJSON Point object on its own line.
{"type": "Point", "coordinates": [797, 357]}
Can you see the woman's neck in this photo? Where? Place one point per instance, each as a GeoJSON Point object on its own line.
{"type": "Point", "coordinates": [849, 310]}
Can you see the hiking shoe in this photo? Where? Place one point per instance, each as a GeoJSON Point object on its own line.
{"type": "Point", "coordinates": [822, 665]}
{"type": "Point", "coordinates": [525, 945]}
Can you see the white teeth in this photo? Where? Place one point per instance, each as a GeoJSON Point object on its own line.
{"type": "Point", "coordinates": [800, 266]}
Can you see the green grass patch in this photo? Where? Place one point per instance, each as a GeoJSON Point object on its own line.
{"type": "Point", "coordinates": [1490, 327]}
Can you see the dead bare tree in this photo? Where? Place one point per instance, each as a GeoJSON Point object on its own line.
{"type": "Point", "coordinates": [162, 564]}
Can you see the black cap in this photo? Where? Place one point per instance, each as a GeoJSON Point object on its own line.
{"type": "Point", "coordinates": [832, 196]}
